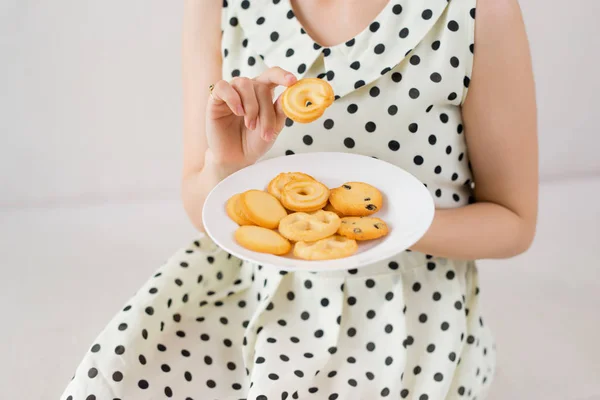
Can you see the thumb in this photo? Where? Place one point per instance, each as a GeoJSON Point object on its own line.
{"type": "Point", "coordinates": [279, 115]}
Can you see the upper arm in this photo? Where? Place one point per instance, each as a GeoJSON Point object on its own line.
{"type": "Point", "coordinates": [499, 112]}
{"type": "Point", "coordinates": [201, 66]}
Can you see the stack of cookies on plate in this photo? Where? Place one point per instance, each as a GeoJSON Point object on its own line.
{"type": "Point", "coordinates": [321, 223]}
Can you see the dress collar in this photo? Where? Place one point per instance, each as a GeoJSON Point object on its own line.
{"type": "Point", "coordinates": [277, 36]}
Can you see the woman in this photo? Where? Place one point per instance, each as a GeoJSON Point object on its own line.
{"type": "Point", "coordinates": [410, 89]}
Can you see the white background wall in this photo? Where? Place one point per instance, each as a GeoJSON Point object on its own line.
{"type": "Point", "coordinates": [90, 104]}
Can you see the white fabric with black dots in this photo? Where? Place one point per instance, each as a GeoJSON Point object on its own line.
{"type": "Point", "coordinates": [208, 326]}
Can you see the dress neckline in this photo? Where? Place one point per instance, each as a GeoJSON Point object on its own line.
{"type": "Point", "coordinates": [272, 30]}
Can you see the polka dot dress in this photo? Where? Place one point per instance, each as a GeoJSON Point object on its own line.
{"type": "Point", "coordinates": [208, 326]}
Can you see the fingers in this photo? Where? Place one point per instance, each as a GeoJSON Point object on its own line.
{"type": "Point", "coordinates": [246, 90]}
{"type": "Point", "coordinates": [280, 116]}
{"type": "Point", "coordinates": [276, 76]}
{"type": "Point", "coordinates": [223, 92]}
{"type": "Point", "coordinates": [268, 119]}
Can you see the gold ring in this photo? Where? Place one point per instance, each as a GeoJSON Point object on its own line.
{"type": "Point", "coordinates": [210, 90]}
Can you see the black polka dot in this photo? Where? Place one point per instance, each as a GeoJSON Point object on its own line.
{"type": "Point", "coordinates": [415, 60]}
{"type": "Point", "coordinates": [444, 118]}
{"type": "Point", "coordinates": [233, 21]}
{"type": "Point", "coordinates": [289, 152]}
{"type": "Point", "coordinates": [370, 126]}
{"type": "Point", "coordinates": [436, 45]}
{"type": "Point", "coordinates": [404, 393]}
{"type": "Point", "coordinates": [396, 77]}
{"type": "Point", "coordinates": [453, 26]}
{"type": "Point", "coordinates": [452, 96]}
{"type": "Point", "coordinates": [416, 287]}
{"type": "Point", "coordinates": [274, 36]}
{"type": "Point", "coordinates": [211, 384]}
{"type": "Point", "coordinates": [374, 26]}
{"type": "Point", "coordinates": [394, 145]}
{"type": "Point", "coordinates": [397, 9]}
{"type": "Point", "coordinates": [427, 14]}
{"type": "Point", "coordinates": [92, 373]}
{"type": "Point", "coordinates": [165, 368]}
{"type": "Point", "coordinates": [436, 77]}
{"type": "Point", "coordinates": [350, 42]}
{"type": "Point", "coordinates": [452, 356]}
{"type": "Point", "coordinates": [352, 108]}
{"type": "Point", "coordinates": [423, 318]}
{"type": "Point", "coordinates": [289, 52]}
{"type": "Point", "coordinates": [403, 33]}
{"type": "Point", "coordinates": [290, 14]}
{"type": "Point", "coordinates": [119, 350]}
{"type": "Point", "coordinates": [455, 62]}
{"type": "Point", "coordinates": [437, 296]}
{"type": "Point", "coordinates": [414, 93]}
{"type": "Point", "coordinates": [95, 348]}
{"type": "Point", "coordinates": [349, 143]}
{"type": "Point", "coordinates": [324, 302]}
{"type": "Point", "coordinates": [122, 326]}
{"type": "Point", "coordinates": [374, 91]}
{"type": "Point", "coordinates": [307, 139]}
{"type": "Point", "coordinates": [358, 84]}
{"type": "Point", "coordinates": [417, 370]}
{"type": "Point", "coordinates": [379, 49]}
{"type": "Point", "coordinates": [467, 81]}
{"type": "Point", "coordinates": [273, 377]}
{"type": "Point", "coordinates": [143, 384]}
{"type": "Point", "coordinates": [432, 140]}
{"type": "Point", "coordinates": [438, 377]}
{"type": "Point", "coordinates": [418, 160]}
{"type": "Point", "coordinates": [392, 110]}
{"type": "Point", "coordinates": [448, 149]}
{"type": "Point", "coordinates": [328, 124]}
{"type": "Point", "coordinates": [301, 68]}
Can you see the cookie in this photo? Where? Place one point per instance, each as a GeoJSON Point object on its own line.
{"type": "Point", "coordinates": [309, 227]}
{"type": "Point", "coordinates": [262, 240]}
{"type": "Point", "coordinates": [326, 249]}
{"type": "Point", "coordinates": [234, 210]}
{"type": "Point", "coordinates": [262, 208]}
{"type": "Point", "coordinates": [356, 199]}
{"type": "Point", "coordinates": [363, 228]}
{"type": "Point", "coordinates": [329, 207]}
{"type": "Point", "coordinates": [304, 196]}
{"type": "Point", "coordinates": [276, 185]}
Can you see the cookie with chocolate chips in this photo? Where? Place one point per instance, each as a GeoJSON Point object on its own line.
{"type": "Point", "coordinates": [356, 199]}
{"type": "Point", "coordinates": [363, 228]}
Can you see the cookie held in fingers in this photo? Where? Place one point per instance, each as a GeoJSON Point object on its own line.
{"type": "Point", "coordinates": [306, 100]}
{"type": "Point", "coordinates": [234, 210]}
{"type": "Point", "coordinates": [262, 208]}
{"type": "Point", "coordinates": [356, 199]}
{"type": "Point", "coordinates": [329, 248]}
{"type": "Point", "coordinates": [309, 227]}
{"type": "Point", "coordinates": [262, 240]}
{"type": "Point", "coordinates": [363, 228]}
{"type": "Point", "coordinates": [276, 185]}
{"type": "Point", "coordinates": [304, 196]}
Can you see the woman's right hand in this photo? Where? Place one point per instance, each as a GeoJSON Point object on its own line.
{"type": "Point", "coordinates": [242, 120]}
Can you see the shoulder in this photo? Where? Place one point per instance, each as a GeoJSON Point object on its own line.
{"type": "Point", "coordinates": [497, 19]}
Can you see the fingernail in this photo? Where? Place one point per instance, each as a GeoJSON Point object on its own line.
{"type": "Point", "coordinates": [290, 77]}
{"type": "Point", "coordinates": [240, 110]}
{"type": "Point", "coordinates": [253, 125]}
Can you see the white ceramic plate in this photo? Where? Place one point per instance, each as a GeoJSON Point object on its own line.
{"type": "Point", "coordinates": [408, 207]}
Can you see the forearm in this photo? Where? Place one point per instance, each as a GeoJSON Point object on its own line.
{"type": "Point", "coordinates": [197, 185]}
{"type": "Point", "coordinates": [478, 231]}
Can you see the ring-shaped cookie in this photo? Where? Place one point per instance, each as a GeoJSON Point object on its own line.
{"type": "Point", "coordinates": [304, 196]}
{"type": "Point", "coordinates": [326, 249]}
{"type": "Point", "coordinates": [307, 99]}
{"type": "Point", "coordinates": [301, 226]}
{"type": "Point", "coordinates": [276, 185]}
